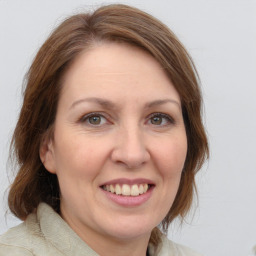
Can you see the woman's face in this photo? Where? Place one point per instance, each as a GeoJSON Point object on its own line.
{"type": "Point", "coordinates": [119, 143]}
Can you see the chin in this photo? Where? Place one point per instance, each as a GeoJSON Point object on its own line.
{"type": "Point", "coordinates": [126, 230]}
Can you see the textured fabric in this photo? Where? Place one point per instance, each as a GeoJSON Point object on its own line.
{"type": "Point", "coordinates": [47, 234]}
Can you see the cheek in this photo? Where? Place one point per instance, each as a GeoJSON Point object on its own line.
{"type": "Point", "coordinates": [79, 157]}
{"type": "Point", "coordinates": [78, 164]}
{"type": "Point", "coordinates": [171, 156]}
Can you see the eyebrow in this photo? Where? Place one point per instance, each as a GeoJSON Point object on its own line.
{"type": "Point", "coordinates": [162, 102]}
{"type": "Point", "coordinates": [104, 103]}
{"type": "Point", "coordinates": [110, 105]}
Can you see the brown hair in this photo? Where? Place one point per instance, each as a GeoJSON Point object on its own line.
{"type": "Point", "coordinates": [33, 183]}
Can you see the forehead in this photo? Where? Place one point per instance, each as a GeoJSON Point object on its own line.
{"type": "Point", "coordinates": [108, 56]}
{"type": "Point", "coordinates": [116, 68]}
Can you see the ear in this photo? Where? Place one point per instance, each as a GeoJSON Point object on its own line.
{"type": "Point", "coordinates": [46, 153]}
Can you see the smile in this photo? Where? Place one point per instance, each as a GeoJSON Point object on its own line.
{"type": "Point", "coordinates": [127, 190]}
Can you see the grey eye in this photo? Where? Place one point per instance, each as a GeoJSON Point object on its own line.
{"type": "Point", "coordinates": [95, 120]}
{"type": "Point", "coordinates": [160, 119]}
{"type": "Point", "coordinates": [156, 120]}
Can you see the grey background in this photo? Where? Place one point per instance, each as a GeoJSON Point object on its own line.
{"type": "Point", "coordinates": [221, 37]}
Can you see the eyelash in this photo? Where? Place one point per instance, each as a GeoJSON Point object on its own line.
{"type": "Point", "coordinates": [169, 119]}
{"type": "Point", "coordinates": [85, 118]}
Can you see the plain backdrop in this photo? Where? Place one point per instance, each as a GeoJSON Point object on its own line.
{"type": "Point", "coordinates": [221, 37]}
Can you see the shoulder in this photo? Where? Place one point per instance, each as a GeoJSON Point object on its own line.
{"type": "Point", "coordinates": [16, 241]}
{"type": "Point", "coordinates": [25, 239]}
{"type": "Point", "coordinates": [169, 248]}
{"type": "Point", "coordinates": [42, 233]}
{"type": "Point", "coordinates": [9, 250]}
{"type": "Point", "coordinates": [184, 250]}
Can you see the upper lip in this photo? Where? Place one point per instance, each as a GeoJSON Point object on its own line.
{"type": "Point", "coordinates": [128, 181]}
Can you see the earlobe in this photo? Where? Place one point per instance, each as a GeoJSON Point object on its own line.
{"type": "Point", "coordinates": [46, 153]}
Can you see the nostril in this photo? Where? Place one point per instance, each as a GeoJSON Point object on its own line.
{"type": "Point", "coordinates": [130, 149]}
{"type": "Point", "coordinates": [130, 161]}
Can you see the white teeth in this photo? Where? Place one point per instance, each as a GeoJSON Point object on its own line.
{"type": "Point", "coordinates": [127, 190]}
{"type": "Point", "coordinates": [118, 190]}
{"type": "Point", "coordinates": [112, 189]}
{"type": "Point", "coordinates": [145, 187]}
{"type": "Point", "coordinates": [141, 189]}
{"type": "Point", "coordinates": [135, 190]}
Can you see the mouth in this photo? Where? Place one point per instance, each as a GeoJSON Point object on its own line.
{"type": "Point", "coordinates": [127, 189]}
{"type": "Point", "coordinates": [128, 192]}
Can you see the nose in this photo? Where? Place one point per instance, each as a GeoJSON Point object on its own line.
{"type": "Point", "coordinates": [130, 149]}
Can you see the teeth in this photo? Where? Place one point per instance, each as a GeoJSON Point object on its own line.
{"type": "Point", "coordinates": [135, 190]}
{"type": "Point", "coordinates": [118, 190]}
{"type": "Point", "coordinates": [141, 189]}
{"type": "Point", "coordinates": [145, 188]}
{"type": "Point", "coordinates": [127, 190]}
{"type": "Point", "coordinates": [112, 189]}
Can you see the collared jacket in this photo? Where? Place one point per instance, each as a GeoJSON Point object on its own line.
{"type": "Point", "coordinates": [45, 233]}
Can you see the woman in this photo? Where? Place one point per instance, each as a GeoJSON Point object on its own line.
{"type": "Point", "coordinates": [109, 139]}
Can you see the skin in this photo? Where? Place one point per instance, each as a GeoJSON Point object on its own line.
{"type": "Point", "coordinates": [127, 88]}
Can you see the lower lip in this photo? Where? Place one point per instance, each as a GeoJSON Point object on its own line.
{"type": "Point", "coordinates": [129, 201]}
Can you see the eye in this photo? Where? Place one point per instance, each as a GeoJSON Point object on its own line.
{"type": "Point", "coordinates": [160, 119]}
{"type": "Point", "coordinates": [94, 119]}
